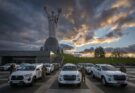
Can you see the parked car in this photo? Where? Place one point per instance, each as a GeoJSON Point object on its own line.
{"type": "Point", "coordinates": [109, 75]}
{"type": "Point", "coordinates": [6, 67]}
{"type": "Point", "coordinates": [69, 74]}
{"type": "Point", "coordinates": [56, 66]}
{"type": "Point", "coordinates": [87, 67]}
{"type": "Point", "coordinates": [20, 66]}
{"type": "Point", "coordinates": [80, 65]}
{"type": "Point", "coordinates": [49, 67]}
{"type": "Point", "coordinates": [26, 75]}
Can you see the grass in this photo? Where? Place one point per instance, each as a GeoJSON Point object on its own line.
{"type": "Point", "coordinates": [115, 61]}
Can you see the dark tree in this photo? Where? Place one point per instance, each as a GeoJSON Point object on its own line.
{"type": "Point", "coordinates": [99, 52]}
{"type": "Point", "coordinates": [116, 53]}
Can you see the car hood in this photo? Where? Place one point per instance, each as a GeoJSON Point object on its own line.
{"type": "Point", "coordinates": [114, 73]}
{"type": "Point", "coordinates": [48, 67]}
{"type": "Point", "coordinates": [5, 66]}
{"type": "Point", "coordinates": [69, 72]}
{"type": "Point", "coordinates": [22, 72]}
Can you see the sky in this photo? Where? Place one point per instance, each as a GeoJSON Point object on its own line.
{"type": "Point", "coordinates": [82, 23]}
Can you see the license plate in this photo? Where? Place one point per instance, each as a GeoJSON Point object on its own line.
{"type": "Point", "coordinates": [15, 81]}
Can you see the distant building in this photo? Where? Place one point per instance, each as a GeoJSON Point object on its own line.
{"type": "Point", "coordinates": [23, 56]}
{"type": "Point", "coordinates": [51, 45]}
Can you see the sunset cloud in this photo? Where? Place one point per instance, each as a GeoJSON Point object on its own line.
{"type": "Point", "coordinates": [25, 23]}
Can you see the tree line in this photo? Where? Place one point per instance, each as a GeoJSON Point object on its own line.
{"type": "Point", "coordinates": [99, 52]}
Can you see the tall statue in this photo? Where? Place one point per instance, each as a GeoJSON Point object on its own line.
{"type": "Point", "coordinates": [52, 20]}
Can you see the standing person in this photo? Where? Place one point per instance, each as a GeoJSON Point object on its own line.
{"type": "Point", "coordinates": [83, 74]}
{"type": "Point", "coordinates": [123, 68]}
{"type": "Point", "coordinates": [43, 72]}
{"type": "Point", "coordinates": [12, 68]}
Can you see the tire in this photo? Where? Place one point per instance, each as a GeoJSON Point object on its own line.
{"type": "Point", "coordinates": [12, 85]}
{"type": "Point", "coordinates": [93, 76]}
{"type": "Point", "coordinates": [32, 82]}
{"type": "Point", "coordinates": [123, 85]}
{"type": "Point", "coordinates": [59, 84]}
{"type": "Point", "coordinates": [79, 85]}
{"type": "Point", "coordinates": [104, 81]}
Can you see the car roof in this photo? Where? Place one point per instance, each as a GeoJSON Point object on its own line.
{"type": "Point", "coordinates": [103, 64]}
{"type": "Point", "coordinates": [69, 64]}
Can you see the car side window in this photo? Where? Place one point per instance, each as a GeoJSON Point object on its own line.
{"type": "Point", "coordinates": [99, 68]}
{"type": "Point", "coordinates": [96, 66]}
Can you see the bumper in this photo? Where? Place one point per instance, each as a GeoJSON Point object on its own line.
{"type": "Point", "coordinates": [20, 82]}
{"type": "Point", "coordinates": [69, 82]}
{"type": "Point", "coordinates": [117, 82]}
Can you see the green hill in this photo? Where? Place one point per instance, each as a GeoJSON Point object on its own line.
{"type": "Point", "coordinates": [116, 61]}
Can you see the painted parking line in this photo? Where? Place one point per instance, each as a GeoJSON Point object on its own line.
{"type": "Point", "coordinates": [3, 79]}
{"type": "Point", "coordinates": [131, 84]}
{"type": "Point", "coordinates": [3, 85]}
{"type": "Point", "coordinates": [46, 85]}
{"type": "Point", "coordinates": [92, 86]}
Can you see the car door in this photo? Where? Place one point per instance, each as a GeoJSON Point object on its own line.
{"type": "Point", "coordinates": [95, 70]}
{"type": "Point", "coordinates": [38, 72]}
{"type": "Point", "coordinates": [98, 71]}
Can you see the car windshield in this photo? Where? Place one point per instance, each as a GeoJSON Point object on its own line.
{"type": "Point", "coordinates": [47, 65]}
{"type": "Point", "coordinates": [90, 65]}
{"type": "Point", "coordinates": [7, 64]}
{"type": "Point", "coordinates": [28, 68]}
{"type": "Point", "coordinates": [69, 68]}
{"type": "Point", "coordinates": [108, 68]}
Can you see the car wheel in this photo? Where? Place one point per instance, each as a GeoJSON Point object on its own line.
{"type": "Point", "coordinates": [104, 81]}
{"type": "Point", "coordinates": [79, 85]}
{"type": "Point", "coordinates": [93, 76]}
{"type": "Point", "coordinates": [60, 85]}
{"type": "Point", "coordinates": [123, 85]}
{"type": "Point", "coordinates": [33, 80]}
{"type": "Point", "coordinates": [12, 85]}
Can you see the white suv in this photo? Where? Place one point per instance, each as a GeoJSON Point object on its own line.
{"type": "Point", "coordinates": [26, 75]}
{"type": "Point", "coordinates": [109, 75]}
{"type": "Point", "coordinates": [49, 67]}
{"type": "Point", "coordinates": [69, 75]}
{"type": "Point", "coordinates": [88, 67]}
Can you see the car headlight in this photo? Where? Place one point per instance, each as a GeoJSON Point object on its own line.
{"type": "Point", "coordinates": [61, 76]}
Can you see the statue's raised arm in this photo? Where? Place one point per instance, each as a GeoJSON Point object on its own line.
{"type": "Point", "coordinates": [59, 12]}
{"type": "Point", "coordinates": [46, 10]}
{"type": "Point", "coordinates": [53, 18]}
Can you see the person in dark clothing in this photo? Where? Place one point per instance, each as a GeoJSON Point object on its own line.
{"type": "Point", "coordinates": [12, 68]}
{"type": "Point", "coordinates": [123, 68]}
{"type": "Point", "coordinates": [43, 72]}
{"type": "Point", "coordinates": [83, 74]}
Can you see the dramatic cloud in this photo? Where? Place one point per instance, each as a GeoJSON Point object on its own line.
{"type": "Point", "coordinates": [24, 25]}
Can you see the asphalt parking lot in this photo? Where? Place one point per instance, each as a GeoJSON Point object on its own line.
{"type": "Point", "coordinates": [50, 85]}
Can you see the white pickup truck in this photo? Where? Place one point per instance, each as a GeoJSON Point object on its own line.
{"type": "Point", "coordinates": [26, 75]}
{"type": "Point", "coordinates": [69, 74]}
{"type": "Point", "coordinates": [109, 75]}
